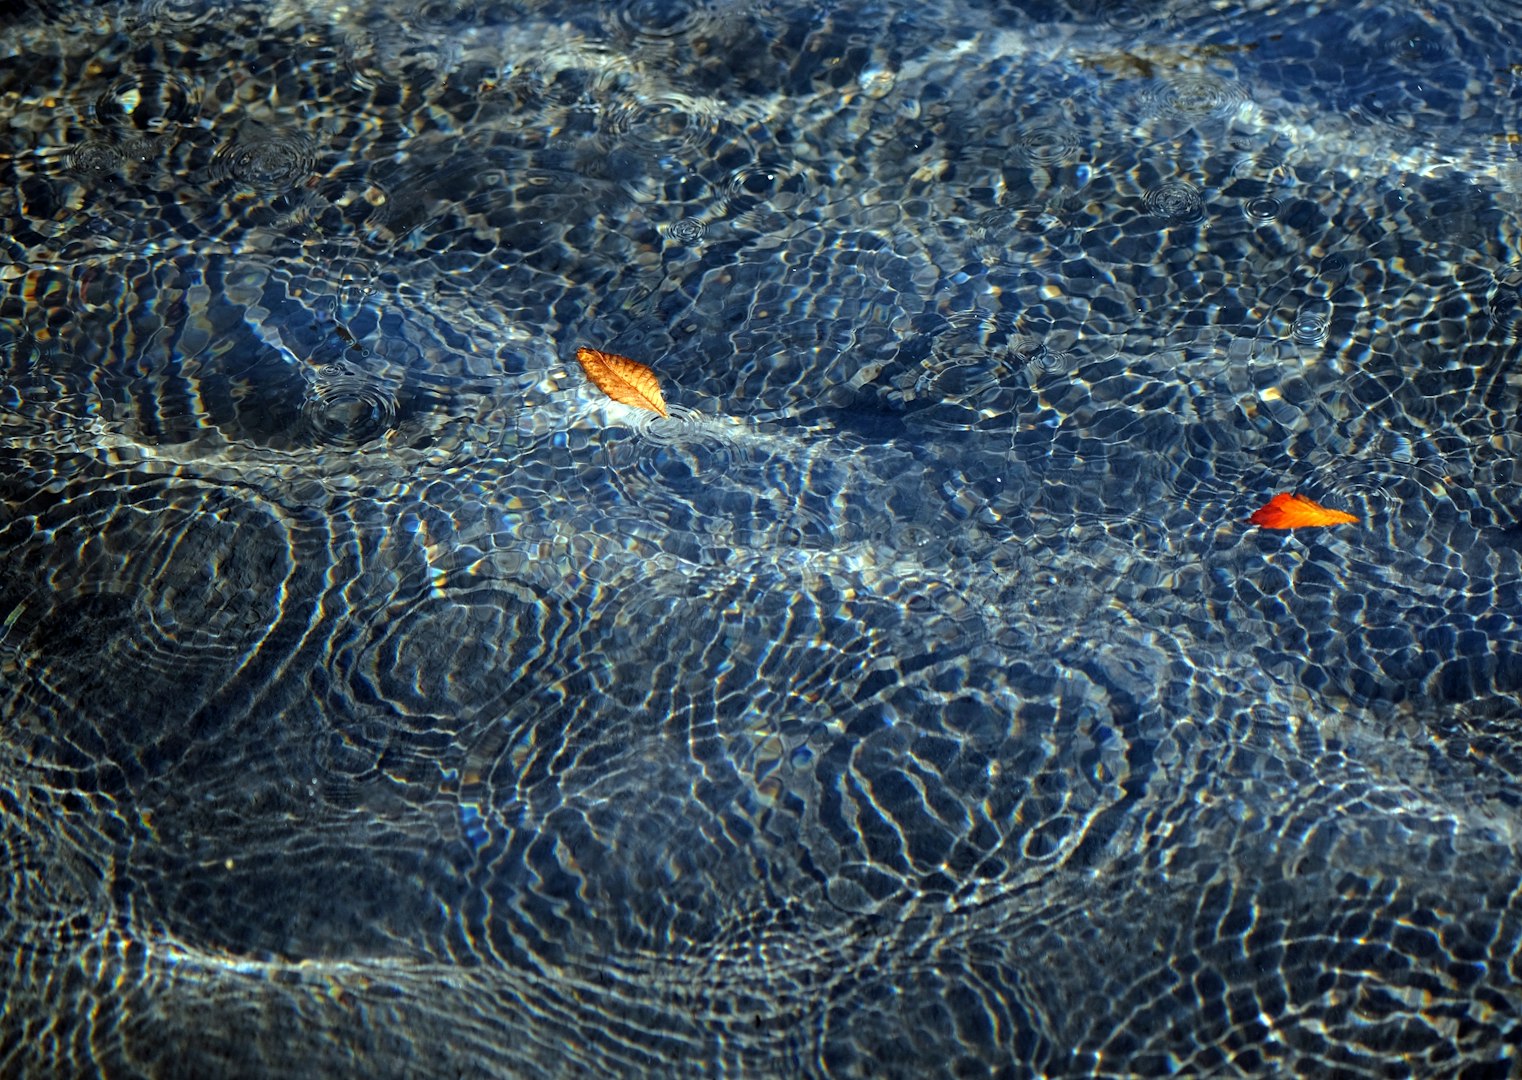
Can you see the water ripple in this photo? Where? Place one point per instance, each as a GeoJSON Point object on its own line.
{"type": "Point", "coordinates": [661, 122]}
{"type": "Point", "coordinates": [1504, 301]}
{"type": "Point", "coordinates": [345, 407]}
{"type": "Point", "coordinates": [95, 159]}
{"type": "Point", "coordinates": [761, 195]}
{"type": "Point", "coordinates": [270, 161]}
{"type": "Point", "coordinates": [1007, 234]}
{"type": "Point", "coordinates": [1191, 97]}
{"type": "Point", "coordinates": [1047, 144]}
{"type": "Point", "coordinates": [178, 14]}
{"type": "Point", "coordinates": [1130, 15]}
{"type": "Point", "coordinates": [348, 198]}
{"type": "Point", "coordinates": [1042, 356]}
{"type": "Point", "coordinates": [1311, 326]}
{"type": "Point", "coordinates": [727, 481]}
{"type": "Point", "coordinates": [663, 19]}
{"type": "Point", "coordinates": [157, 602]}
{"type": "Point", "coordinates": [148, 101]}
{"type": "Point", "coordinates": [440, 15]}
{"type": "Point", "coordinates": [1261, 210]}
{"type": "Point", "coordinates": [1177, 201]}
{"type": "Point", "coordinates": [1266, 166]}
{"type": "Point", "coordinates": [981, 363]}
{"type": "Point", "coordinates": [687, 230]}
{"type": "Point", "coordinates": [1380, 480]}
{"type": "Point", "coordinates": [971, 352]}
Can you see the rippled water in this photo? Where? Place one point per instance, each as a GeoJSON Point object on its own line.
{"type": "Point", "coordinates": [380, 699]}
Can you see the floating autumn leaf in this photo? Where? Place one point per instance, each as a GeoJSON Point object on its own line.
{"type": "Point", "coordinates": [626, 381]}
{"type": "Point", "coordinates": [1286, 511]}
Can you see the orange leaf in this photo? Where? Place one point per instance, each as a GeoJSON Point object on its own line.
{"type": "Point", "coordinates": [626, 381]}
{"type": "Point", "coordinates": [1286, 511]}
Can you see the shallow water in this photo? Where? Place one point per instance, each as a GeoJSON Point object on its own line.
{"type": "Point", "coordinates": [916, 699]}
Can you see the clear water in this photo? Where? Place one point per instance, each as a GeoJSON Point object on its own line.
{"type": "Point", "coordinates": [915, 699]}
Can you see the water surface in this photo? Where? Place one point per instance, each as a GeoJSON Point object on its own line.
{"type": "Point", "coordinates": [916, 699]}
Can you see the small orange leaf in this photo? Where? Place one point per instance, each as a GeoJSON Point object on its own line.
{"type": "Point", "coordinates": [626, 381]}
{"type": "Point", "coordinates": [1285, 511]}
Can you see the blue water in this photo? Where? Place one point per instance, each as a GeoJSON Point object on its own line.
{"type": "Point", "coordinates": [916, 696]}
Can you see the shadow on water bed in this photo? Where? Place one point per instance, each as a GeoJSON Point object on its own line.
{"type": "Point", "coordinates": [916, 698]}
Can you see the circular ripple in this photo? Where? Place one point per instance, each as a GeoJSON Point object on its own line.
{"type": "Point", "coordinates": [972, 351]}
{"type": "Point", "coordinates": [1017, 236]}
{"type": "Point", "coordinates": [1503, 303]}
{"type": "Point", "coordinates": [702, 476]}
{"type": "Point", "coordinates": [760, 194]}
{"type": "Point", "coordinates": [981, 363]}
{"type": "Point", "coordinates": [662, 19]}
{"type": "Point", "coordinates": [1381, 480]}
{"type": "Point", "coordinates": [345, 408]}
{"type": "Point", "coordinates": [667, 122]}
{"type": "Point", "coordinates": [1267, 167]}
{"type": "Point", "coordinates": [1047, 144]}
{"type": "Point", "coordinates": [1191, 97]}
{"type": "Point", "coordinates": [151, 584]}
{"type": "Point", "coordinates": [1310, 326]}
{"type": "Point", "coordinates": [682, 438]}
{"type": "Point", "coordinates": [761, 180]}
{"type": "Point", "coordinates": [1176, 201]}
{"type": "Point", "coordinates": [440, 14]}
{"type": "Point", "coordinates": [95, 158]}
{"type": "Point", "coordinates": [1261, 210]}
{"type": "Point", "coordinates": [269, 161]}
{"type": "Point", "coordinates": [19, 356]}
{"type": "Point", "coordinates": [144, 148]}
{"type": "Point", "coordinates": [149, 101]}
{"type": "Point", "coordinates": [178, 13]}
{"type": "Point", "coordinates": [974, 370]}
{"type": "Point", "coordinates": [678, 452]}
{"type": "Point", "coordinates": [960, 380]}
{"type": "Point", "coordinates": [1334, 265]}
{"type": "Point", "coordinates": [1129, 15]}
{"type": "Point", "coordinates": [353, 748]}
{"type": "Point", "coordinates": [1045, 357]}
{"type": "Point", "coordinates": [349, 198]}
{"type": "Point", "coordinates": [451, 649]}
{"type": "Point", "coordinates": [687, 230]}
{"type": "Point", "coordinates": [760, 187]}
